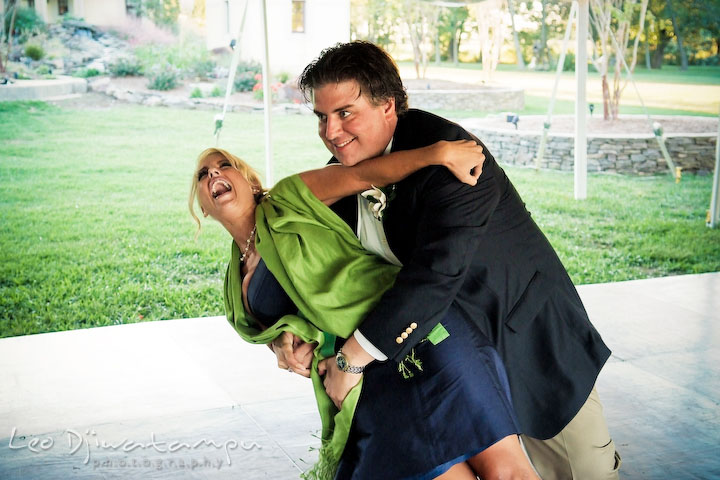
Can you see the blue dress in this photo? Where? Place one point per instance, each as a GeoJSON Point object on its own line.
{"type": "Point", "coordinates": [416, 428]}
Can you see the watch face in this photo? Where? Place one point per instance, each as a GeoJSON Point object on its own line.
{"type": "Point", "coordinates": [341, 363]}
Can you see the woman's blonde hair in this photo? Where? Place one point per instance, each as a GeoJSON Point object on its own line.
{"type": "Point", "coordinates": [246, 170]}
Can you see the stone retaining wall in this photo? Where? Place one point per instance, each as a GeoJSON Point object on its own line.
{"type": "Point", "coordinates": [164, 99]}
{"type": "Point", "coordinates": [630, 154]}
{"type": "Point", "coordinates": [42, 89]}
{"type": "Point", "coordinates": [484, 99]}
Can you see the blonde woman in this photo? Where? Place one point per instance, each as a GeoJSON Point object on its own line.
{"type": "Point", "coordinates": [299, 275]}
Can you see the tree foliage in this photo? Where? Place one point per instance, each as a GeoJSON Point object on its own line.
{"type": "Point", "coordinates": [376, 21]}
{"type": "Point", "coordinates": [540, 25]}
{"type": "Point", "coordinates": [683, 32]}
{"type": "Point", "coordinates": [450, 28]}
{"type": "Point", "coordinates": [163, 13]}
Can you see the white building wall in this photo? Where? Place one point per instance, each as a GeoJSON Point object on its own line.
{"type": "Point", "coordinates": [96, 12]}
{"type": "Point", "coordinates": [327, 22]}
{"type": "Point", "coordinates": [104, 12]}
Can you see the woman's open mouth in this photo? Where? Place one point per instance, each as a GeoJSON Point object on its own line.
{"type": "Point", "coordinates": [220, 187]}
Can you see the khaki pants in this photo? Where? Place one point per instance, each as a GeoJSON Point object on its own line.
{"type": "Point", "coordinates": [583, 450]}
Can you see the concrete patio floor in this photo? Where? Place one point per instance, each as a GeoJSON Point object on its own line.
{"type": "Point", "coordinates": [189, 399]}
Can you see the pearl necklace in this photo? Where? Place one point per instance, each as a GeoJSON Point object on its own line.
{"type": "Point", "coordinates": [247, 244]}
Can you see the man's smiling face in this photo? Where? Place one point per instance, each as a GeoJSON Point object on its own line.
{"type": "Point", "coordinates": [352, 128]}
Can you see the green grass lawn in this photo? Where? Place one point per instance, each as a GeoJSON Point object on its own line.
{"type": "Point", "coordinates": [695, 74]}
{"type": "Point", "coordinates": [536, 105]}
{"type": "Point", "coordinates": [95, 229]}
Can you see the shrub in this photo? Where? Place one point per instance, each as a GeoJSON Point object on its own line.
{"type": "Point", "coordinates": [253, 67]}
{"type": "Point", "coordinates": [216, 92]}
{"type": "Point", "coordinates": [27, 21]}
{"type": "Point", "coordinates": [569, 64]}
{"type": "Point", "coordinates": [189, 57]}
{"type": "Point", "coordinates": [244, 82]}
{"type": "Point", "coordinates": [202, 67]}
{"type": "Point", "coordinates": [125, 67]}
{"type": "Point", "coordinates": [196, 93]}
{"type": "Point", "coordinates": [164, 78]}
{"type": "Point", "coordinates": [258, 92]}
{"type": "Point", "coordinates": [86, 73]}
{"type": "Point", "coordinates": [45, 71]}
{"type": "Point", "coordinates": [71, 18]}
{"type": "Point", "coordinates": [245, 76]}
{"type": "Point", "coordinates": [33, 51]}
{"type": "Point", "coordinates": [283, 77]}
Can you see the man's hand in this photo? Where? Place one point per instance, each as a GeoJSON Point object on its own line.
{"type": "Point", "coordinates": [293, 354]}
{"type": "Point", "coordinates": [337, 383]}
{"type": "Point", "coordinates": [464, 158]}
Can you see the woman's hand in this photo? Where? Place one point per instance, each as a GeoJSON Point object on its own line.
{"type": "Point", "coordinates": [293, 354]}
{"type": "Point", "coordinates": [464, 158]}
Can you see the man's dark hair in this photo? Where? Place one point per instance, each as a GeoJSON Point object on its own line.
{"type": "Point", "coordinates": [369, 65]}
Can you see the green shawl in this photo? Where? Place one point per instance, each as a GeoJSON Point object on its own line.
{"type": "Point", "coordinates": [329, 276]}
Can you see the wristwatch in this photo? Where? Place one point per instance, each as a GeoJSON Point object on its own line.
{"type": "Point", "coordinates": [344, 366]}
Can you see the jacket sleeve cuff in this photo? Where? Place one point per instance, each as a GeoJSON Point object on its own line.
{"type": "Point", "coordinates": [369, 347]}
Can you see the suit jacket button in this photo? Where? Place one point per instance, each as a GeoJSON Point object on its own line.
{"type": "Point", "coordinates": [399, 339]}
{"type": "Point", "coordinates": [408, 330]}
{"type": "Point", "coordinates": [404, 335]}
{"type": "Point", "coordinates": [413, 325]}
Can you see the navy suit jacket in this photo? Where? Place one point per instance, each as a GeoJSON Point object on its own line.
{"type": "Point", "coordinates": [477, 247]}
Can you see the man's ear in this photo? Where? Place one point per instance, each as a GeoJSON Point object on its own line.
{"type": "Point", "coordinates": [389, 107]}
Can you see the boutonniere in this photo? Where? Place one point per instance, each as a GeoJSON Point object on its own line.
{"type": "Point", "coordinates": [378, 199]}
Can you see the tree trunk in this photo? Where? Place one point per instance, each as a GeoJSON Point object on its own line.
{"type": "Point", "coordinates": [656, 60]}
{"type": "Point", "coordinates": [647, 53]}
{"type": "Point", "coordinates": [657, 56]}
{"type": "Point", "coordinates": [615, 99]}
{"type": "Point", "coordinates": [9, 35]}
{"type": "Point", "coordinates": [437, 48]}
{"type": "Point", "coordinates": [606, 97]}
{"type": "Point", "coordinates": [678, 37]}
{"type": "Point", "coordinates": [456, 46]}
{"type": "Point", "coordinates": [518, 52]}
{"type": "Point", "coordinates": [416, 61]}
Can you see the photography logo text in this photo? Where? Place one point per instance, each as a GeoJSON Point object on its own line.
{"type": "Point", "coordinates": [89, 443]}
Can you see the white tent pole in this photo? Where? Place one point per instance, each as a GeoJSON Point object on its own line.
{"type": "Point", "coordinates": [580, 102]}
{"type": "Point", "coordinates": [220, 118]}
{"type": "Point", "coordinates": [714, 219]}
{"type": "Point", "coordinates": [267, 97]}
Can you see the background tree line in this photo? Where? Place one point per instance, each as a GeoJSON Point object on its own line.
{"type": "Point", "coordinates": [673, 32]}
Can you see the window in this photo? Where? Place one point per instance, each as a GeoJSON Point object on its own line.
{"type": "Point", "coordinates": [298, 16]}
{"type": "Point", "coordinates": [62, 7]}
{"type": "Point", "coordinates": [31, 3]}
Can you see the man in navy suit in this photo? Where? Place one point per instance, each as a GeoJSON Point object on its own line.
{"type": "Point", "coordinates": [474, 248]}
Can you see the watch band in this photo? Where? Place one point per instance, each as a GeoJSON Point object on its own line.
{"type": "Point", "coordinates": [344, 366]}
